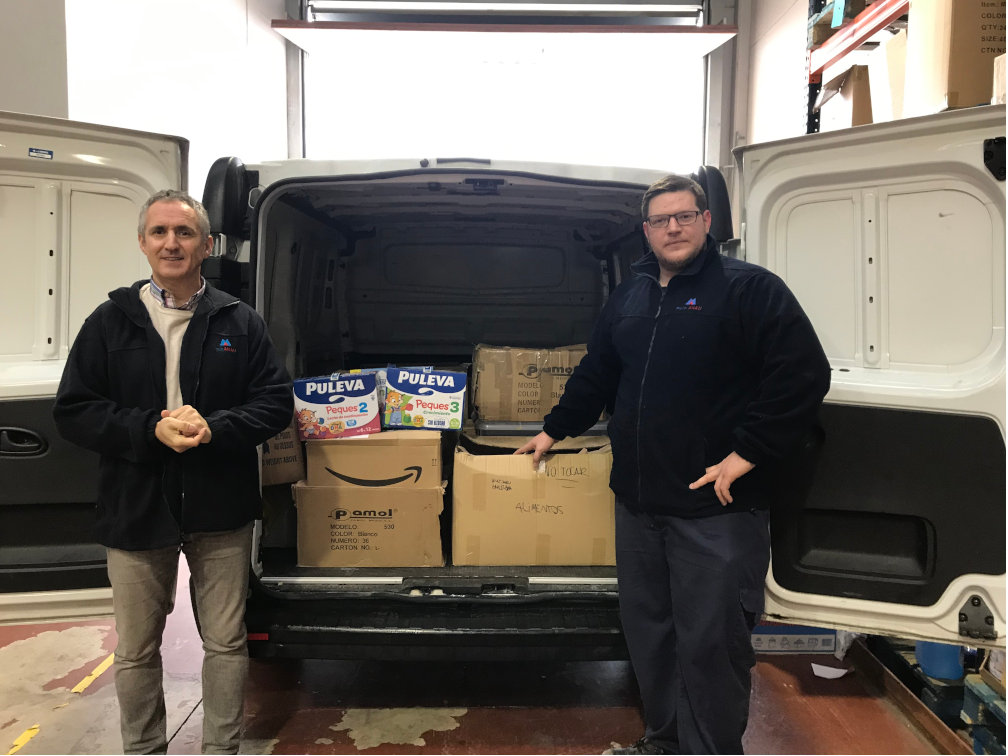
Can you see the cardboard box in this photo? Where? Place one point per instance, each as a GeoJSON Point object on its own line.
{"type": "Point", "coordinates": [575, 444]}
{"type": "Point", "coordinates": [282, 458]}
{"type": "Point", "coordinates": [993, 670]}
{"type": "Point", "coordinates": [344, 526]}
{"type": "Point", "coordinates": [845, 101]}
{"type": "Point", "coordinates": [424, 398]}
{"type": "Point", "coordinates": [998, 95]}
{"type": "Point", "coordinates": [336, 406]}
{"type": "Point", "coordinates": [516, 384]}
{"type": "Point", "coordinates": [778, 638]}
{"type": "Point", "coordinates": [951, 47]}
{"type": "Point", "coordinates": [886, 75]}
{"type": "Point", "coordinates": [393, 459]}
{"type": "Point", "coordinates": [507, 513]}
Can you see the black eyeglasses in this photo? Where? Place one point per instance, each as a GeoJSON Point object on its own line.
{"type": "Point", "coordinates": [686, 218]}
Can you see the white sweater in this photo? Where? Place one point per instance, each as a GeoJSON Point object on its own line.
{"type": "Point", "coordinates": [171, 326]}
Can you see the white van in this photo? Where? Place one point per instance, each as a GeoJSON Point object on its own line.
{"type": "Point", "coordinates": [892, 236]}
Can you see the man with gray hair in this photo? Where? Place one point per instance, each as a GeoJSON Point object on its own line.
{"type": "Point", "coordinates": [174, 384]}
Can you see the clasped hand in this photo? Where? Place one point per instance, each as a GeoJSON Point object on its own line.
{"type": "Point", "coordinates": [182, 429]}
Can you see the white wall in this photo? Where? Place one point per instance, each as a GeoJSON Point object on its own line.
{"type": "Point", "coordinates": [33, 63]}
{"type": "Point", "coordinates": [211, 71]}
{"type": "Point", "coordinates": [777, 70]}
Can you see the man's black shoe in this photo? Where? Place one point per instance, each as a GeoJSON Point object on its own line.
{"type": "Point", "coordinates": [642, 746]}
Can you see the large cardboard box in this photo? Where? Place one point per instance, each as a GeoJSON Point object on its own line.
{"type": "Point", "coordinates": [886, 75]}
{"type": "Point", "coordinates": [391, 459]}
{"type": "Point", "coordinates": [282, 459]}
{"type": "Point", "coordinates": [516, 384]}
{"type": "Point", "coordinates": [504, 512]}
{"type": "Point", "coordinates": [344, 526]}
{"type": "Point", "coordinates": [845, 101]}
{"type": "Point", "coordinates": [951, 47]}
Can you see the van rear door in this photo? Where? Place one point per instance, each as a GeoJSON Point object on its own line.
{"type": "Point", "coordinates": [892, 236]}
{"type": "Point", "coordinates": [70, 194]}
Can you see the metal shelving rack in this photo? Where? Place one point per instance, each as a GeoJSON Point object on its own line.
{"type": "Point", "coordinates": [835, 28]}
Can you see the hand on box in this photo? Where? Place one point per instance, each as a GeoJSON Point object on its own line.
{"type": "Point", "coordinates": [538, 446]}
{"type": "Point", "coordinates": [723, 474]}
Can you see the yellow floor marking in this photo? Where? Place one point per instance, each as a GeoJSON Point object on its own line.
{"type": "Point", "coordinates": [23, 738]}
{"type": "Point", "coordinates": [95, 674]}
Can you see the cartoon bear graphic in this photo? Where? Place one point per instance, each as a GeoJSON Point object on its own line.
{"type": "Point", "coordinates": [309, 424]}
{"type": "Point", "coordinates": [393, 408]}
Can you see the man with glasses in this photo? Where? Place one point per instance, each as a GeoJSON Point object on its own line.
{"type": "Point", "coordinates": [712, 373]}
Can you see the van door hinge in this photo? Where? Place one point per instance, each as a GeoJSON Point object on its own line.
{"type": "Point", "coordinates": [976, 620]}
{"type": "Point", "coordinates": [994, 157]}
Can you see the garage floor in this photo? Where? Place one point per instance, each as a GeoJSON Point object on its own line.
{"type": "Point", "coordinates": [340, 707]}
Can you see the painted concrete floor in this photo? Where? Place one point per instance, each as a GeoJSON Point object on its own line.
{"type": "Point", "coordinates": [388, 708]}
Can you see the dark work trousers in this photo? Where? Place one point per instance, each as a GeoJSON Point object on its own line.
{"type": "Point", "coordinates": [690, 593]}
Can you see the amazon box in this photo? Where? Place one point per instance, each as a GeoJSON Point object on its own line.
{"type": "Point", "coordinates": [951, 47]}
{"type": "Point", "coordinates": [282, 458]}
{"type": "Point", "coordinates": [336, 406]}
{"type": "Point", "coordinates": [514, 384]}
{"type": "Point", "coordinates": [357, 526]}
{"type": "Point", "coordinates": [391, 459]}
{"type": "Point", "coordinates": [506, 512]}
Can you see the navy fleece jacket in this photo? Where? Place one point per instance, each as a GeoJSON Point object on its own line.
{"type": "Point", "coordinates": [723, 359]}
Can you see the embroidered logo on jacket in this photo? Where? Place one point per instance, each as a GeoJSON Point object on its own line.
{"type": "Point", "coordinates": [690, 305]}
{"type": "Point", "coordinates": [225, 346]}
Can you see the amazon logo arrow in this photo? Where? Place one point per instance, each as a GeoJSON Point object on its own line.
{"type": "Point", "coordinates": [379, 483]}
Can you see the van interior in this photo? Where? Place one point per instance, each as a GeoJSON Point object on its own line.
{"type": "Point", "coordinates": [417, 270]}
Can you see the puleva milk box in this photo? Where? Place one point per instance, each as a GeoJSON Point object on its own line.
{"type": "Point", "coordinates": [422, 398]}
{"type": "Point", "coordinates": [336, 406]}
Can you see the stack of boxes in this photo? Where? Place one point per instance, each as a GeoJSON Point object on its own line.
{"type": "Point", "coordinates": [504, 510]}
{"type": "Point", "coordinates": [373, 492]}
{"type": "Point", "coordinates": [372, 501]}
{"type": "Point", "coordinates": [949, 57]}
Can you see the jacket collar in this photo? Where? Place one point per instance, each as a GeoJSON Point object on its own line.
{"type": "Point", "coordinates": [127, 299]}
{"type": "Point", "coordinates": [648, 265]}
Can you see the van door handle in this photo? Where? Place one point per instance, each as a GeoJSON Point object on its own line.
{"type": "Point", "coordinates": [21, 442]}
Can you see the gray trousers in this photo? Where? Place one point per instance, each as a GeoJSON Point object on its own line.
{"type": "Point", "coordinates": [143, 593]}
{"type": "Point", "coordinates": [690, 593]}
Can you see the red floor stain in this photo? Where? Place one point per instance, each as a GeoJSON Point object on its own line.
{"type": "Point", "coordinates": [11, 633]}
{"type": "Point", "coordinates": [71, 679]}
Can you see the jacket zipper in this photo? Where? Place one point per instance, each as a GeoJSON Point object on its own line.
{"type": "Point", "coordinates": [640, 398]}
{"type": "Point", "coordinates": [199, 364]}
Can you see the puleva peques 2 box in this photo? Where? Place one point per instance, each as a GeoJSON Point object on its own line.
{"type": "Point", "coordinates": [336, 406]}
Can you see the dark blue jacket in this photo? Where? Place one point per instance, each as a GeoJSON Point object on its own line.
{"type": "Point", "coordinates": [723, 359]}
{"type": "Point", "coordinates": [111, 396]}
